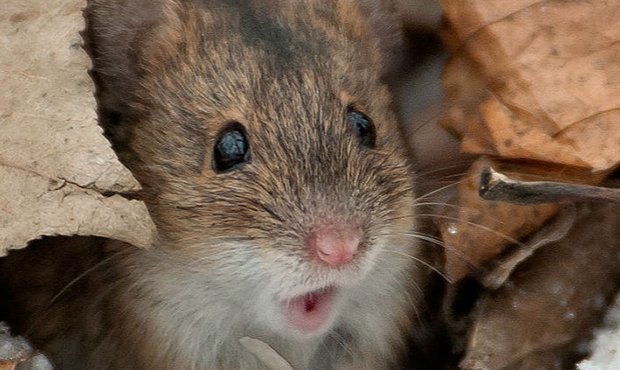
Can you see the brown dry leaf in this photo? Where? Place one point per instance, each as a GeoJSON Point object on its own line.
{"type": "Point", "coordinates": [465, 90]}
{"type": "Point", "coordinates": [54, 161]}
{"type": "Point", "coordinates": [472, 16]}
{"type": "Point", "coordinates": [502, 267]}
{"type": "Point", "coordinates": [593, 143]}
{"type": "Point", "coordinates": [552, 67]}
{"type": "Point", "coordinates": [480, 229]}
{"type": "Point", "coordinates": [553, 300]}
{"type": "Point", "coordinates": [533, 80]}
{"type": "Point", "coordinates": [41, 206]}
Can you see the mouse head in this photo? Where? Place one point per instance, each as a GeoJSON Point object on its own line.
{"type": "Point", "coordinates": [262, 135]}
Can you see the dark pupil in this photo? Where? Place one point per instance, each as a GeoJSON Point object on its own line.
{"type": "Point", "coordinates": [230, 150]}
{"type": "Point", "coordinates": [362, 127]}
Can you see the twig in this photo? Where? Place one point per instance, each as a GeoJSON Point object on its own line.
{"type": "Point", "coordinates": [499, 187]}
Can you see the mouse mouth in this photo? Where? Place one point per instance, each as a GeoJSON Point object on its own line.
{"type": "Point", "coordinates": [310, 312]}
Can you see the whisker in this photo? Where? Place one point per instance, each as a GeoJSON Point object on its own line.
{"type": "Point", "coordinates": [428, 238]}
{"type": "Point", "coordinates": [466, 210]}
{"type": "Point", "coordinates": [429, 120]}
{"type": "Point", "coordinates": [448, 205]}
{"type": "Point", "coordinates": [230, 239]}
{"type": "Point", "coordinates": [341, 340]}
{"type": "Point", "coordinates": [453, 164]}
{"type": "Point", "coordinates": [442, 188]}
{"type": "Point", "coordinates": [444, 180]}
{"type": "Point", "coordinates": [78, 278]}
{"type": "Point", "coordinates": [62, 291]}
{"type": "Point", "coordinates": [437, 170]}
{"type": "Point", "coordinates": [413, 305]}
{"type": "Point", "coordinates": [419, 260]}
{"type": "Point", "coordinates": [403, 289]}
{"type": "Point", "coordinates": [479, 226]}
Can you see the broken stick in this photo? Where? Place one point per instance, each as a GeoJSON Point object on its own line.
{"type": "Point", "coordinates": [499, 187]}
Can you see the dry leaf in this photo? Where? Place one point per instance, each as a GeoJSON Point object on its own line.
{"type": "Point", "coordinates": [535, 81]}
{"type": "Point", "coordinates": [553, 300]}
{"type": "Point", "coordinates": [552, 67]}
{"type": "Point", "coordinates": [465, 90]}
{"type": "Point", "coordinates": [55, 163]}
{"type": "Point", "coordinates": [502, 267]}
{"type": "Point", "coordinates": [471, 16]}
{"type": "Point", "coordinates": [32, 205]}
{"type": "Point", "coordinates": [592, 143]}
{"type": "Point", "coordinates": [479, 230]}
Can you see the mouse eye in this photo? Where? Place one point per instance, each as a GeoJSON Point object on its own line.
{"type": "Point", "coordinates": [231, 148]}
{"type": "Point", "coordinates": [362, 126]}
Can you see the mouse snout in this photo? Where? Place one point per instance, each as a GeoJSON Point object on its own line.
{"type": "Point", "coordinates": [334, 244]}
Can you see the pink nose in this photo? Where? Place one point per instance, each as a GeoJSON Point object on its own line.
{"type": "Point", "coordinates": [334, 244]}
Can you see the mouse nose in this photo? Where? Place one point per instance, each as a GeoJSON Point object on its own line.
{"type": "Point", "coordinates": [335, 244]}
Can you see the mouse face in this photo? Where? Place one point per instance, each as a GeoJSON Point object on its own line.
{"type": "Point", "coordinates": [270, 158]}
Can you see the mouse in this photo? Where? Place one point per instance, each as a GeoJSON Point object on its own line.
{"type": "Point", "coordinates": [265, 140]}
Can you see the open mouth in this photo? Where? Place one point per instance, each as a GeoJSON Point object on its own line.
{"type": "Point", "coordinates": [310, 312]}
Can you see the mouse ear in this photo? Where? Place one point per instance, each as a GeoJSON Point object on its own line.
{"type": "Point", "coordinates": [381, 23]}
{"type": "Point", "coordinates": [116, 33]}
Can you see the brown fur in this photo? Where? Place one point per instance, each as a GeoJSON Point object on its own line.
{"type": "Point", "coordinates": [170, 75]}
